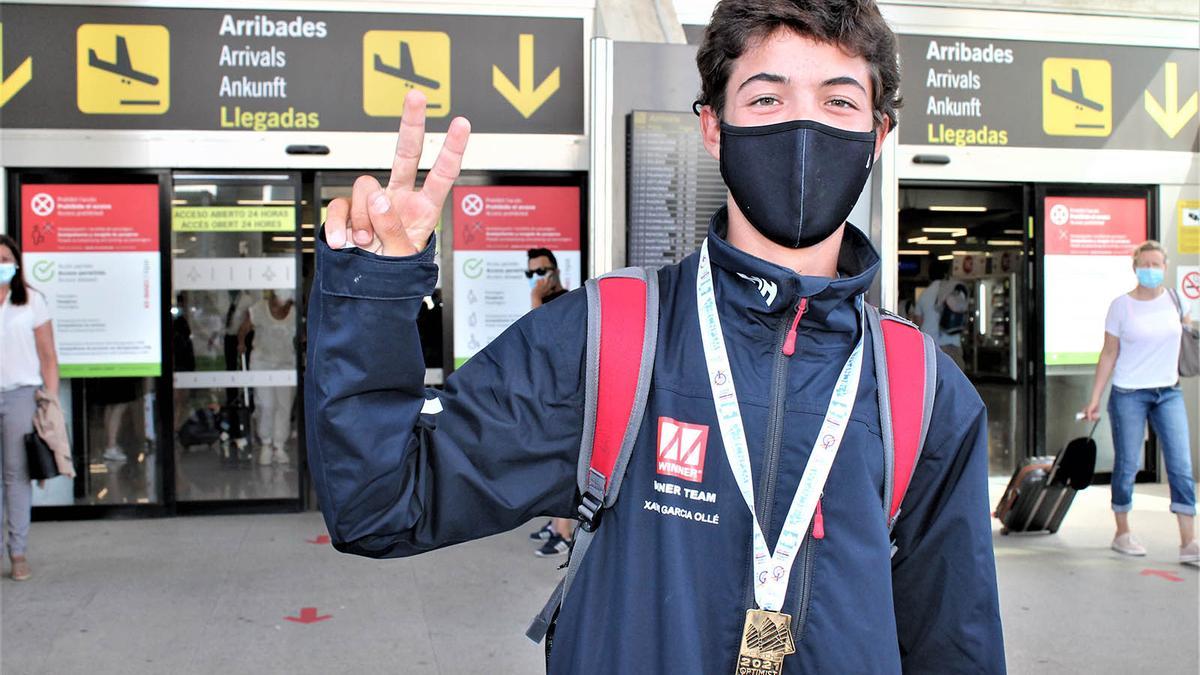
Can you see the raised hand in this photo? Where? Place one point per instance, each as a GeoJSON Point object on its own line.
{"type": "Point", "coordinates": [397, 220]}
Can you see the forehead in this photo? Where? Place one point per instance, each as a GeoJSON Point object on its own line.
{"type": "Point", "coordinates": [1151, 256]}
{"type": "Point", "coordinates": [6, 253]}
{"type": "Point", "coordinates": [801, 59]}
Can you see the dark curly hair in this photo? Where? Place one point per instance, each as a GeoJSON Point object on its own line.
{"type": "Point", "coordinates": [854, 25]}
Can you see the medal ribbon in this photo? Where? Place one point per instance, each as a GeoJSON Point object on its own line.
{"type": "Point", "coordinates": [772, 571]}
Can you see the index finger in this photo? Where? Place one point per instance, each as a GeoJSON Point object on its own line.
{"type": "Point", "coordinates": [409, 140]}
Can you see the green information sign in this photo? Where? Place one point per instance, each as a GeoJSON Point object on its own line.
{"type": "Point", "coordinates": [233, 218]}
{"type": "Point", "coordinates": [71, 370]}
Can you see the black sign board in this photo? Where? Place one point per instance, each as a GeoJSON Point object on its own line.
{"type": "Point", "coordinates": [674, 188]}
{"type": "Point", "coordinates": [982, 92]}
{"type": "Point", "coordinates": [87, 67]}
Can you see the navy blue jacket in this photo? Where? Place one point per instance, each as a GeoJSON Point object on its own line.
{"type": "Point", "coordinates": [665, 584]}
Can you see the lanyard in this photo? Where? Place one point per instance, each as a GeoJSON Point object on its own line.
{"type": "Point", "coordinates": [771, 571]}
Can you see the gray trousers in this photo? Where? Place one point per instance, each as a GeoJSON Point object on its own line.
{"type": "Point", "coordinates": [16, 419]}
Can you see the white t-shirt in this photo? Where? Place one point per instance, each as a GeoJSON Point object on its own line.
{"type": "Point", "coordinates": [1149, 332]}
{"type": "Point", "coordinates": [931, 315]}
{"type": "Point", "coordinates": [19, 363]}
{"type": "Point", "coordinates": [274, 339]}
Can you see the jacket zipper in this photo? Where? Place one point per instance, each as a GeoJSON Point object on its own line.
{"type": "Point", "coordinates": [766, 483]}
{"type": "Point", "coordinates": [804, 590]}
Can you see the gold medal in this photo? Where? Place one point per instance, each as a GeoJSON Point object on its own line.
{"type": "Point", "coordinates": [766, 639]}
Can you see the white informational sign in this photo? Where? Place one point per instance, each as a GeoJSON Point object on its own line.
{"type": "Point", "coordinates": [494, 227]}
{"type": "Point", "coordinates": [93, 251]}
{"type": "Point", "coordinates": [1088, 263]}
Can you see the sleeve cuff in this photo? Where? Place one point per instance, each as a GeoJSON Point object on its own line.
{"type": "Point", "coordinates": [355, 273]}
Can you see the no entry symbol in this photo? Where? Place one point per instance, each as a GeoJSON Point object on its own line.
{"type": "Point", "coordinates": [1191, 285]}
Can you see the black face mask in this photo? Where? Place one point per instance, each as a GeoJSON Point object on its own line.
{"type": "Point", "coordinates": [796, 182]}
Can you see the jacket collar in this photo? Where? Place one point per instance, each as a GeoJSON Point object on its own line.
{"type": "Point", "coordinates": [767, 290]}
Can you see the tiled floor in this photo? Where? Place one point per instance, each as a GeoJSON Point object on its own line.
{"type": "Point", "coordinates": [210, 595]}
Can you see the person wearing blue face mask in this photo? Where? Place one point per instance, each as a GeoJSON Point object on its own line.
{"type": "Point", "coordinates": [1141, 355]}
{"type": "Point", "coordinates": [544, 281]}
{"type": "Point", "coordinates": [27, 362]}
{"type": "Point", "coordinates": [545, 285]}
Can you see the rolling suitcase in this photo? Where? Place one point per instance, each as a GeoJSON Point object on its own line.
{"type": "Point", "coordinates": [1042, 489]}
{"type": "Point", "coordinates": [234, 422]}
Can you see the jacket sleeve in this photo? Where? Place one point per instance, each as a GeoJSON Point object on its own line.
{"type": "Point", "coordinates": [944, 569]}
{"type": "Point", "coordinates": [400, 469]}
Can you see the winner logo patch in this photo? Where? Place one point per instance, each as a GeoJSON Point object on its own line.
{"type": "Point", "coordinates": [681, 448]}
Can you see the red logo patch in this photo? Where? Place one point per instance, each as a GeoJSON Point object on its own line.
{"type": "Point", "coordinates": [681, 448]}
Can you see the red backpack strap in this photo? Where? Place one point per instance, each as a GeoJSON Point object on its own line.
{"type": "Point", "coordinates": [622, 335]}
{"type": "Point", "coordinates": [621, 341]}
{"type": "Point", "coordinates": [906, 378]}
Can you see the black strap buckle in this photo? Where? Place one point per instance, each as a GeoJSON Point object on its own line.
{"type": "Point", "coordinates": [590, 509]}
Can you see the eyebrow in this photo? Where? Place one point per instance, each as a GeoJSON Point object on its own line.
{"type": "Point", "coordinates": [775, 78]}
{"type": "Point", "coordinates": [844, 79]}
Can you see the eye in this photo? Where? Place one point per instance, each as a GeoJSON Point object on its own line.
{"type": "Point", "coordinates": [843, 103]}
{"type": "Point", "coordinates": [764, 101]}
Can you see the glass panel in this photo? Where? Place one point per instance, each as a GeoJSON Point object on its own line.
{"type": "Point", "coordinates": [1088, 239]}
{"type": "Point", "coordinates": [93, 252]}
{"type": "Point", "coordinates": [971, 242]}
{"type": "Point", "coordinates": [234, 327]}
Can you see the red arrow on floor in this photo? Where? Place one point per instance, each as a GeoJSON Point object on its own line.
{"type": "Point", "coordinates": [1169, 576]}
{"type": "Point", "coordinates": [308, 615]}
{"type": "Point", "coordinates": [321, 539]}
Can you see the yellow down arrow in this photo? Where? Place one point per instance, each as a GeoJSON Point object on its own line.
{"type": "Point", "coordinates": [525, 97]}
{"type": "Point", "coordinates": [20, 77]}
{"type": "Point", "coordinates": [1171, 117]}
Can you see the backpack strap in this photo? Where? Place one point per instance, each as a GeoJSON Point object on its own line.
{"type": "Point", "coordinates": [906, 380]}
{"type": "Point", "coordinates": [621, 340]}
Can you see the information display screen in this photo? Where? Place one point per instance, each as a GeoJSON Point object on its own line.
{"type": "Point", "coordinates": [674, 188]}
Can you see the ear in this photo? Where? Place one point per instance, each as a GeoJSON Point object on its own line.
{"type": "Point", "coordinates": [710, 131]}
{"type": "Point", "coordinates": [884, 129]}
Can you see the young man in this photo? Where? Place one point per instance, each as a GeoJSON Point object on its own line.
{"type": "Point", "coordinates": [797, 98]}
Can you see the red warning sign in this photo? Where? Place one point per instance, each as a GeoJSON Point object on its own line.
{"type": "Point", "coordinates": [1191, 285]}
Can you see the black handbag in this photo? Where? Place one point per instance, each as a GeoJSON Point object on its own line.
{"type": "Point", "coordinates": [40, 458]}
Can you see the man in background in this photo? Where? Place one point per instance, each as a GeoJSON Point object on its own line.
{"type": "Point", "coordinates": [544, 286]}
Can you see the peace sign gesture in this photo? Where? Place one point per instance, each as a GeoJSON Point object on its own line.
{"type": "Point", "coordinates": [397, 220]}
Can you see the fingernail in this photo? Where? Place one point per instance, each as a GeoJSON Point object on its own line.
{"type": "Point", "coordinates": [362, 237]}
{"type": "Point", "coordinates": [336, 238]}
{"type": "Point", "coordinates": [380, 203]}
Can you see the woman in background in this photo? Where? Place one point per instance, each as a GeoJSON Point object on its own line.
{"type": "Point", "coordinates": [274, 328]}
{"type": "Point", "coordinates": [27, 362]}
{"type": "Point", "coordinates": [1141, 354]}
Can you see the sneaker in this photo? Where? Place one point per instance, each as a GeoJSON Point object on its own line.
{"type": "Point", "coordinates": [20, 569]}
{"type": "Point", "coordinates": [280, 456]}
{"type": "Point", "coordinates": [1190, 554]}
{"type": "Point", "coordinates": [1127, 545]}
{"type": "Point", "coordinates": [114, 454]}
{"type": "Point", "coordinates": [264, 455]}
{"type": "Point", "coordinates": [554, 546]}
{"type": "Point", "coordinates": [543, 534]}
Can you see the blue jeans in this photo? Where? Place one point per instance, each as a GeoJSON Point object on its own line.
{"type": "Point", "coordinates": [1128, 411]}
